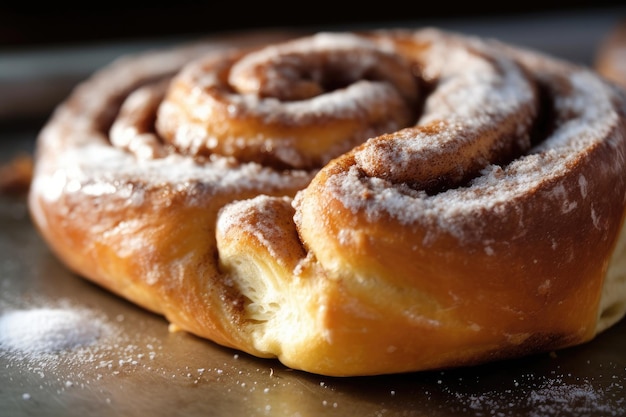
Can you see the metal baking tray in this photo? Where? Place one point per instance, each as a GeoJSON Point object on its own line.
{"type": "Point", "coordinates": [143, 369]}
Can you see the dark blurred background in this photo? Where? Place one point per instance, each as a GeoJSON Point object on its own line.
{"type": "Point", "coordinates": [26, 23]}
{"type": "Point", "coordinates": [46, 48]}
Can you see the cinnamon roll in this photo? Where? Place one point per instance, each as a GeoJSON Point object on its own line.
{"type": "Point", "coordinates": [352, 203]}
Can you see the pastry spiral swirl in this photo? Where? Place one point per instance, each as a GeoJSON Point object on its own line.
{"type": "Point", "coordinates": [350, 203]}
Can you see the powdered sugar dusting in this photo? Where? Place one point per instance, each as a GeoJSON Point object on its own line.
{"type": "Point", "coordinates": [232, 217]}
{"type": "Point", "coordinates": [114, 170]}
{"type": "Point", "coordinates": [482, 109]}
{"type": "Point", "coordinates": [538, 395]}
{"type": "Point", "coordinates": [49, 330]}
{"type": "Point", "coordinates": [67, 346]}
{"type": "Point", "coordinates": [586, 116]}
{"type": "Point", "coordinates": [279, 70]}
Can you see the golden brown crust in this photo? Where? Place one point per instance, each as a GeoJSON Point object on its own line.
{"type": "Point", "coordinates": [480, 224]}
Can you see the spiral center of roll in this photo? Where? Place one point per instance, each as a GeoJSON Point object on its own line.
{"type": "Point", "coordinates": [303, 69]}
{"type": "Point", "coordinates": [294, 105]}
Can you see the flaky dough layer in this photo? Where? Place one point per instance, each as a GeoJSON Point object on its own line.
{"type": "Point", "coordinates": [349, 203]}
